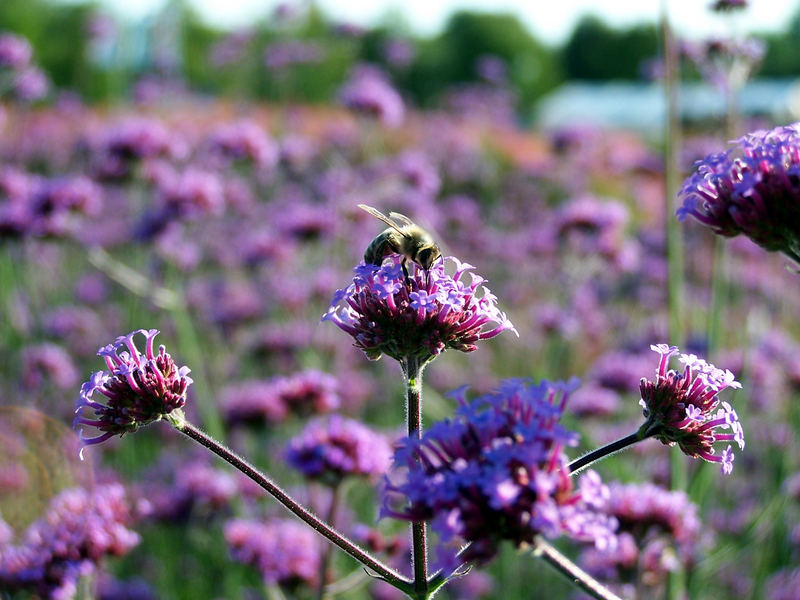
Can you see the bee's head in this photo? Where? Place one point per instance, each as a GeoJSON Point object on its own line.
{"type": "Point", "coordinates": [427, 255]}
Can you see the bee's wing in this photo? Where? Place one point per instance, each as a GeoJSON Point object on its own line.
{"type": "Point", "coordinates": [401, 217]}
{"type": "Point", "coordinates": [379, 215]}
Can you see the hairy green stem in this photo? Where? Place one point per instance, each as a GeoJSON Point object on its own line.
{"type": "Point", "coordinates": [587, 459]}
{"type": "Point", "coordinates": [383, 571]}
{"type": "Point", "coordinates": [571, 571]}
{"type": "Point", "coordinates": [412, 368]}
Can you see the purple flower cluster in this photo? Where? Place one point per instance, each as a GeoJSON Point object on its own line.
{"type": "Point", "coordinates": [244, 141]}
{"type": "Point", "coordinates": [25, 81]}
{"type": "Point", "coordinates": [725, 63]}
{"type": "Point", "coordinates": [137, 388]}
{"type": "Point", "coordinates": [333, 448]}
{"type": "Point", "coordinates": [435, 312]}
{"type": "Point", "coordinates": [284, 551]}
{"type": "Point", "coordinates": [658, 531]}
{"type": "Point", "coordinates": [47, 362]}
{"type": "Point", "coordinates": [752, 189]}
{"type": "Point", "coordinates": [783, 585]}
{"type": "Point", "coordinates": [285, 54]}
{"type": "Point", "coordinates": [79, 529]}
{"type": "Point", "coordinates": [272, 400]}
{"type": "Point", "coordinates": [35, 206]}
{"type": "Point", "coordinates": [683, 407]}
{"type": "Point", "coordinates": [497, 471]}
{"type": "Point", "coordinates": [369, 92]}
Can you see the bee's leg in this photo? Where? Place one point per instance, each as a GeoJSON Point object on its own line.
{"type": "Point", "coordinates": [405, 272]}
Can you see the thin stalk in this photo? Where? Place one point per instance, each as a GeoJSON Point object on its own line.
{"type": "Point", "coordinates": [385, 572]}
{"type": "Point", "coordinates": [587, 459]}
{"type": "Point", "coordinates": [325, 554]}
{"type": "Point", "coordinates": [571, 571]}
{"type": "Point", "coordinates": [675, 267]}
{"type": "Point", "coordinates": [412, 368]}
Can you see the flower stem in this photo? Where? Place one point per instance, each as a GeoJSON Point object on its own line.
{"type": "Point", "coordinates": [571, 571]}
{"type": "Point", "coordinates": [325, 554]}
{"type": "Point", "coordinates": [612, 448]}
{"type": "Point", "coordinates": [388, 574]}
{"type": "Point", "coordinates": [412, 368]}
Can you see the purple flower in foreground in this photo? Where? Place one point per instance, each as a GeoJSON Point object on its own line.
{"type": "Point", "coordinates": [497, 471]}
{"type": "Point", "coordinates": [285, 552]}
{"type": "Point", "coordinates": [751, 189]}
{"type": "Point", "coordinates": [333, 448]}
{"type": "Point", "coordinates": [78, 530]}
{"type": "Point", "coordinates": [783, 585]}
{"type": "Point", "coordinates": [137, 388]}
{"type": "Point", "coordinates": [683, 408]}
{"type": "Point", "coordinates": [438, 311]}
{"type": "Point", "coordinates": [15, 51]}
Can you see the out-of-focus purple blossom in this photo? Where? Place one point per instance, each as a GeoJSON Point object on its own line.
{"type": "Point", "coordinates": [137, 389]}
{"type": "Point", "coordinates": [492, 69]}
{"type": "Point", "coordinates": [497, 471]}
{"type": "Point", "coordinates": [120, 146]}
{"type": "Point", "coordinates": [192, 193]}
{"type": "Point", "coordinates": [398, 53]}
{"type": "Point", "coordinates": [659, 531]}
{"type": "Point", "coordinates": [297, 152]}
{"type": "Point", "coordinates": [285, 552]}
{"type": "Point", "coordinates": [231, 49]}
{"type": "Point", "coordinates": [77, 326]}
{"type": "Point", "coordinates": [15, 51]}
{"type": "Point", "coordinates": [79, 529]}
{"type": "Point", "coordinates": [483, 103]}
{"type": "Point", "coordinates": [725, 63]}
{"type": "Point", "coordinates": [751, 189]}
{"type": "Point", "coordinates": [620, 370]}
{"type": "Point", "coordinates": [683, 408]}
{"type": "Point", "coordinates": [281, 55]}
{"type": "Point", "coordinates": [349, 30]}
{"type": "Point", "coordinates": [206, 485]}
{"type": "Point", "coordinates": [92, 288]}
{"type": "Point", "coordinates": [262, 401]}
{"type": "Point", "coordinates": [244, 141]}
{"type": "Point", "coordinates": [384, 315]}
{"type": "Point", "coordinates": [332, 448]}
{"type": "Point", "coordinates": [593, 226]}
{"type": "Point", "coordinates": [369, 92]}
{"type": "Point", "coordinates": [594, 401]}
{"type": "Point", "coordinates": [418, 170]}
{"type": "Point", "coordinates": [783, 585]}
{"type": "Point", "coordinates": [31, 84]}
{"type": "Point", "coordinates": [35, 206]}
{"type": "Point", "coordinates": [47, 362]}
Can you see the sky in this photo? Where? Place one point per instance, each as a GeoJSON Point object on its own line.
{"type": "Point", "coordinates": [550, 21]}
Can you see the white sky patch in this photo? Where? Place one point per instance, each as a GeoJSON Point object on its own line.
{"type": "Point", "coordinates": [550, 22]}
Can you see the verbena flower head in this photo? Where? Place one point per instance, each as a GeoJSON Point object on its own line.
{"type": "Point", "coordinates": [683, 407]}
{"type": "Point", "coordinates": [659, 530]}
{"type": "Point", "coordinates": [333, 448]}
{"type": "Point", "coordinates": [284, 551]}
{"type": "Point", "coordinates": [751, 189]}
{"type": "Point", "coordinates": [436, 312]}
{"type": "Point", "coordinates": [497, 471]}
{"type": "Point", "coordinates": [136, 390]}
{"type": "Point", "coordinates": [79, 529]}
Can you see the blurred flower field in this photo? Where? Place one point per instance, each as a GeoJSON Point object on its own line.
{"type": "Point", "coordinates": [229, 226]}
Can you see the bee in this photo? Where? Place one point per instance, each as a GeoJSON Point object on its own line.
{"type": "Point", "coordinates": [403, 236]}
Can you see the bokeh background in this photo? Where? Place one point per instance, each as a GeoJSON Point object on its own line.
{"type": "Point", "coordinates": [197, 170]}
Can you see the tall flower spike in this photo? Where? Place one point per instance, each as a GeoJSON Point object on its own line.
{"type": "Point", "coordinates": [437, 311]}
{"type": "Point", "coordinates": [136, 390]}
{"type": "Point", "coordinates": [497, 471]}
{"type": "Point", "coordinates": [683, 408]}
{"type": "Point", "coordinates": [752, 189]}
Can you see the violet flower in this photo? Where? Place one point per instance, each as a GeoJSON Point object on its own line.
{"type": "Point", "coordinates": [751, 189]}
{"type": "Point", "coordinates": [436, 312]}
{"type": "Point", "coordinates": [137, 389]}
{"type": "Point", "coordinates": [284, 551]}
{"type": "Point", "coordinates": [79, 529]}
{"type": "Point", "coordinates": [497, 471]}
{"type": "Point", "coordinates": [683, 408]}
{"type": "Point", "coordinates": [331, 449]}
{"type": "Point", "coordinates": [369, 92]}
